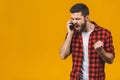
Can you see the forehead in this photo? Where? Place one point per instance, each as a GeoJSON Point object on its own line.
{"type": "Point", "coordinates": [77, 14]}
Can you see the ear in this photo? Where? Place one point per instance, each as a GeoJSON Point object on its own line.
{"type": "Point", "coordinates": [87, 18]}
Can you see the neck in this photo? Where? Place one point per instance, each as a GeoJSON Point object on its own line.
{"type": "Point", "coordinates": [89, 26]}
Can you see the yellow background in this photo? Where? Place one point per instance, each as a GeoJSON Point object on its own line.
{"type": "Point", "coordinates": [32, 31]}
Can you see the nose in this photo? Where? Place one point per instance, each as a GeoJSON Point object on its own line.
{"type": "Point", "coordinates": [74, 21]}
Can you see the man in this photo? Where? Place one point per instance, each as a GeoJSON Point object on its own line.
{"type": "Point", "coordinates": [90, 45]}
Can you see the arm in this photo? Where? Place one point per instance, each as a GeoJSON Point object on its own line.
{"type": "Point", "coordinates": [106, 56]}
{"type": "Point", "coordinates": [65, 49]}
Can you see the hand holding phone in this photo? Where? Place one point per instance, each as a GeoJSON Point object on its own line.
{"type": "Point", "coordinates": [70, 26]}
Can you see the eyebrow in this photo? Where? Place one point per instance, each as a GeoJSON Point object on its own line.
{"type": "Point", "coordinates": [75, 18]}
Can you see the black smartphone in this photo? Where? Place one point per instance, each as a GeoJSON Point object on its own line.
{"type": "Point", "coordinates": [71, 26]}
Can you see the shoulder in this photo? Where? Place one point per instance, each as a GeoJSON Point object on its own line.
{"type": "Point", "coordinates": [99, 28]}
{"type": "Point", "coordinates": [104, 31]}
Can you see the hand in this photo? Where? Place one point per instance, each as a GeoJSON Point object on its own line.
{"type": "Point", "coordinates": [99, 46]}
{"type": "Point", "coordinates": [68, 27]}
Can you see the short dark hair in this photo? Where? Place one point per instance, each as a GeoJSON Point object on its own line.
{"type": "Point", "coordinates": [80, 7]}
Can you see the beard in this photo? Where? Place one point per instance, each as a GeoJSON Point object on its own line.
{"type": "Point", "coordinates": [83, 27]}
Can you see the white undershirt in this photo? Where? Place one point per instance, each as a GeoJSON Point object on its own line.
{"type": "Point", "coordinates": [85, 37]}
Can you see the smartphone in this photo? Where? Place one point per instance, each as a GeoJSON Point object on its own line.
{"type": "Point", "coordinates": [71, 26]}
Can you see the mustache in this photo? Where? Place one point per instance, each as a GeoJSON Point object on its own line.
{"type": "Point", "coordinates": [76, 25]}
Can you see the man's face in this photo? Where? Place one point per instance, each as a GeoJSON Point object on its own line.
{"type": "Point", "coordinates": [79, 21]}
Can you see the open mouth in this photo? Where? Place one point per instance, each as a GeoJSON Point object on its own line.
{"type": "Point", "coordinates": [76, 26]}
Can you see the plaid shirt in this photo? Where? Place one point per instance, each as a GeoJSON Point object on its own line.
{"type": "Point", "coordinates": [96, 64]}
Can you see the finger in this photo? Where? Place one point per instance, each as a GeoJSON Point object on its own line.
{"type": "Point", "coordinates": [101, 43]}
{"type": "Point", "coordinates": [95, 46]}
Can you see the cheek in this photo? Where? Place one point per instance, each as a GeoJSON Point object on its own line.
{"type": "Point", "coordinates": [81, 21]}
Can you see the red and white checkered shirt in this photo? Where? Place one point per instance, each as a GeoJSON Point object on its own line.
{"type": "Point", "coordinates": [96, 64]}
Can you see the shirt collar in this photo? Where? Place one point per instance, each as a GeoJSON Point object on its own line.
{"type": "Point", "coordinates": [96, 26]}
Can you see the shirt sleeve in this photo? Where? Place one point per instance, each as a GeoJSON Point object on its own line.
{"type": "Point", "coordinates": [108, 45]}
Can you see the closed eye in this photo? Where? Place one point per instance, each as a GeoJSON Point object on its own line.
{"type": "Point", "coordinates": [78, 18]}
